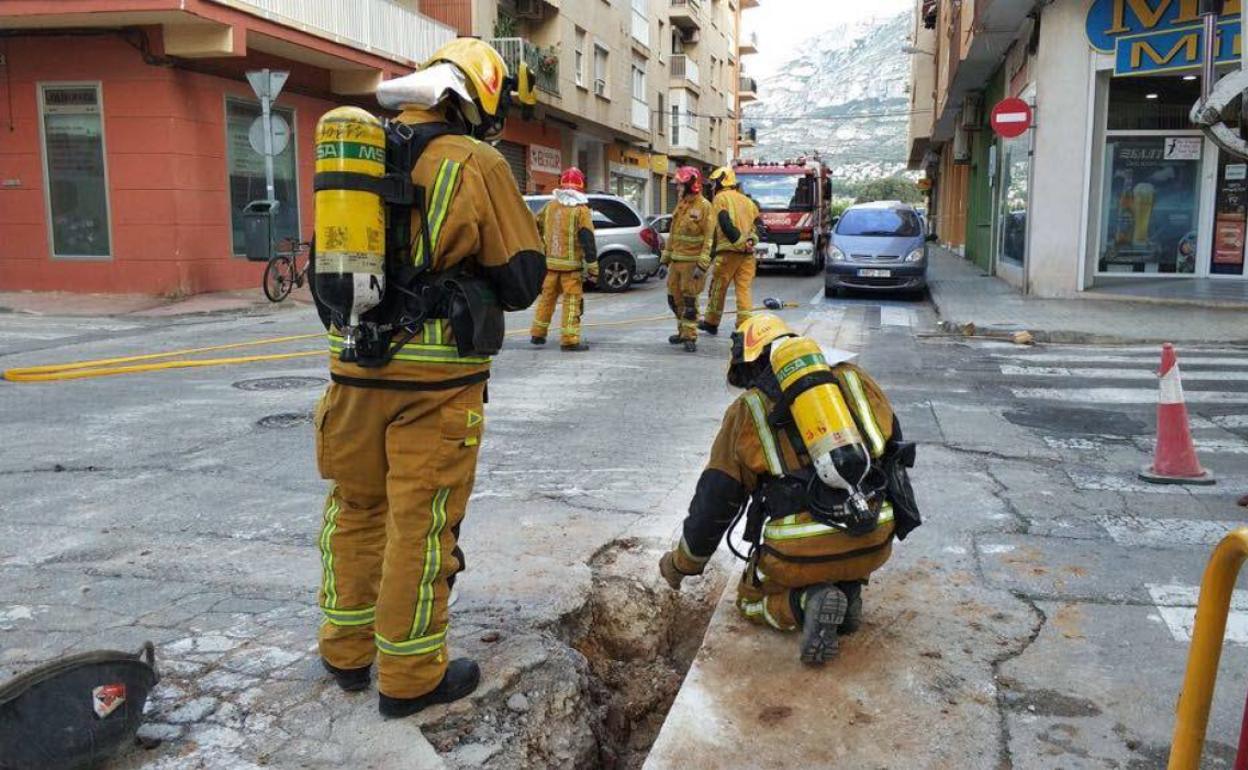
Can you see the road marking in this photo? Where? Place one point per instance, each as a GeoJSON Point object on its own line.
{"type": "Point", "coordinates": [1189, 375]}
{"type": "Point", "coordinates": [819, 298]}
{"type": "Point", "coordinates": [1229, 421]}
{"type": "Point", "coordinates": [1063, 358]}
{"type": "Point", "coordinates": [1203, 446]}
{"type": "Point", "coordinates": [1130, 482]}
{"type": "Point", "coordinates": [896, 316]}
{"type": "Point", "coordinates": [1176, 605]}
{"type": "Point", "coordinates": [1164, 533]}
{"type": "Point", "coordinates": [1122, 396]}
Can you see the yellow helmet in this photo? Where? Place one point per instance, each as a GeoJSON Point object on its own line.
{"type": "Point", "coordinates": [724, 177]}
{"type": "Point", "coordinates": [755, 335]}
{"type": "Point", "coordinates": [493, 85]}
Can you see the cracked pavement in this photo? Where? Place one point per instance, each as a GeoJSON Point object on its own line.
{"type": "Point", "coordinates": [1035, 621]}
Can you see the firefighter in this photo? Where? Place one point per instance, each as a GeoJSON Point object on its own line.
{"type": "Point", "coordinates": [813, 544]}
{"type": "Point", "coordinates": [567, 226]}
{"type": "Point", "coordinates": [736, 233]}
{"type": "Point", "coordinates": [689, 255]}
{"type": "Point", "coordinates": [399, 442]}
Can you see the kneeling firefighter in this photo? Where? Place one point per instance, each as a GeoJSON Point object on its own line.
{"type": "Point", "coordinates": [812, 456]}
{"type": "Point", "coordinates": [567, 226]}
{"type": "Point", "coordinates": [689, 255]}
{"type": "Point", "coordinates": [737, 227]}
{"type": "Point", "coordinates": [422, 243]}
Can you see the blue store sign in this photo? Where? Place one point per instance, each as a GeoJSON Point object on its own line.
{"type": "Point", "coordinates": [1149, 36]}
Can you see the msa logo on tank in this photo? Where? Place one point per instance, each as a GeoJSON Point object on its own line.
{"type": "Point", "coordinates": [1152, 36]}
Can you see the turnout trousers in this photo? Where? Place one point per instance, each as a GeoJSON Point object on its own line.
{"type": "Point", "coordinates": [567, 283]}
{"type": "Point", "coordinates": [682, 297]}
{"type": "Point", "coordinates": [401, 466]}
{"type": "Point", "coordinates": [736, 270]}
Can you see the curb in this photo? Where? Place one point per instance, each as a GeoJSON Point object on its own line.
{"type": "Point", "coordinates": [1006, 333]}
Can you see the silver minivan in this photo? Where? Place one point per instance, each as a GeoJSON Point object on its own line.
{"type": "Point", "coordinates": [628, 249]}
{"type": "Point", "coordinates": [879, 246]}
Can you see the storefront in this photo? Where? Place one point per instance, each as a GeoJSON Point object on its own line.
{"type": "Point", "coordinates": [630, 172]}
{"type": "Point", "coordinates": [534, 152]}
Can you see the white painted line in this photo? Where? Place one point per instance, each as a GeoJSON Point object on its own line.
{"type": "Point", "coordinates": [997, 549]}
{"type": "Point", "coordinates": [1164, 533]}
{"type": "Point", "coordinates": [819, 298]}
{"type": "Point", "coordinates": [1128, 481]}
{"type": "Point", "coordinates": [1231, 421]}
{"type": "Point", "coordinates": [1176, 605]}
{"type": "Point", "coordinates": [1197, 375]}
{"type": "Point", "coordinates": [896, 316]}
{"type": "Point", "coordinates": [1083, 396]}
{"type": "Point", "coordinates": [1153, 362]}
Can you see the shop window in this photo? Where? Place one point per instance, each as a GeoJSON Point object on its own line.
{"type": "Point", "coordinates": [1231, 217]}
{"type": "Point", "coordinates": [1151, 103]}
{"type": "Point", "coordinates": [77, 186]}
{"type": "Point", "coordinates": [247, 171]}
{"type": "Point", "coordinates": [1151, 204]}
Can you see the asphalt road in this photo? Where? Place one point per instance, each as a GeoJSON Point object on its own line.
{"type": "Point", "coordinates": [183, 507]}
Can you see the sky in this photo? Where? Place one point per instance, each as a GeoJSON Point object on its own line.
{"type": "Point", "coordinates": [781, 24]}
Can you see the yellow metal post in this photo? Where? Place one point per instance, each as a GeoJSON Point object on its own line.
{"type": "Point", "coordinates": [1196, 699]}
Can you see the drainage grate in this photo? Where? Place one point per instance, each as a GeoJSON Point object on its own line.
{"type": "Point", "coordinates": [285, 420]}
{"type": "Point", "coordinates": [281, 383]}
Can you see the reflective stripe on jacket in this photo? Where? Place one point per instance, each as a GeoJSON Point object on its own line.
{"type": "Point", "coordinates": [560, 227]}
{"type": "Point", "coordinates": [693, 231]}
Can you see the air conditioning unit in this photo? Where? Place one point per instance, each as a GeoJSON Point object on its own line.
{"type": "Point", "coordinates": [961, 146]}
{"type": "Point", "coordinates": [529, 9]}
{"type": "Point", "coordinates": [972, 112]}
{"type": "Point", "coordinates": [600, 87]}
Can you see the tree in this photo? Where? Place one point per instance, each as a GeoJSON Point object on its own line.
{"type": "Point", "coordinates": [892, 188]}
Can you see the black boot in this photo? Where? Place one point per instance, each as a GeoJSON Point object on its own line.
{"type": "Point", "coordinates": [691, 346]}
{"type": "Point", "coordinates": [537, 340]}
{"type": "Point", "coordinates": [579, 347]}
{"type": "Point", "coordinates": [350, 679]}
{"type": "Point", "coordinates": [675, 339]}
{"type": "Point", "coordinates": [853, 614]}
{"type": "Point", "coordinates": [824, 613]}
{"type": "Point", "coordinates": [711, 329]}
{"type": "Point", "coordinates": [462, 677]}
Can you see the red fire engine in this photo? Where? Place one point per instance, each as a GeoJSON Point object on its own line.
{"type": "Point", "coordinates": [793, 196]}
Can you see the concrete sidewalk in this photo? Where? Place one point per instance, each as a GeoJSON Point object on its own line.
{"type": "Point", "coordinates": [963, 294]}
{"type": "Point", "coordinates": [59, 303]}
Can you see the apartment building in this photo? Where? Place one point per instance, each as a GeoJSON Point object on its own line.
{"type": "Point", "coordinates": [126, 160]}
{"type": "Point", "coordinates": [1112, 190]}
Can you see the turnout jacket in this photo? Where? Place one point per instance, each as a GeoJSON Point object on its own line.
{"type": "Point", "coordinates": [736, 218]}
{"type": "Point", "coordinates": [477, 219]}
{"type": "Point", "coordinates": [693, 231]}
{"type": "Point", "coordinates": [568, 230]}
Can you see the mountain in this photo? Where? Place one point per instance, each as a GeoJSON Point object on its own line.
{"type": "Point", "coordinates": [828, 97]}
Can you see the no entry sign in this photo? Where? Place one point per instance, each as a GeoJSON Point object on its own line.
{"type": "Point", "coordinates": [1011, 118]}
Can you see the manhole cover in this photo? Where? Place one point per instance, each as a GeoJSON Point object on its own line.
{"type": "Point", "coordinates": [281, 383]}
{"type": "Point", "coordinates": [1077, 421]}
{"type": "Point", "coordinates": [285, 420]}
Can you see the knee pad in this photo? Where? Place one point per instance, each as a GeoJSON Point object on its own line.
{"type": "Point", "coordinates": [671, 302]}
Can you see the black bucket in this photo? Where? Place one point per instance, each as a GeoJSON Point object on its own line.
{"type": "Point", "coordinates": [75, 712]}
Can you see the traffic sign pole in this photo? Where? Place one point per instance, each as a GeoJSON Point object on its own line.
{"type": "Point", "coordinates": [267, 84]}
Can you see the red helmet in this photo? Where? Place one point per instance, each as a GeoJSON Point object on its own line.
{"type": "Point", "coordinates": [690, 178]}
{"type": "Point", "coordinates": [573, 179]}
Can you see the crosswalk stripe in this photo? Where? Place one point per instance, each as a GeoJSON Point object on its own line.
{"type": "Point", "coordinates": [1231, 421]}
{"type": "Point", "coordinates": [1164, 533]}
{"type": "Point", "coordinates": [1087, 396]}
{"type": "Point", "coordinates": [1189, 375]}
{"type": "Point", "coordinates": [1184, 360]}
{"type": "Point", "coordinates": [1130, 482]}
{"type": "Point", "coordinates": [896, 316]}
{"type": "Point", "coordinates": [1176, 605]}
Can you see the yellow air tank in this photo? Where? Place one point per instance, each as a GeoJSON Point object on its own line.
{"type": "Point", "coordinates": [823, 419]}
{"type": "Point", "coordinates": [350, 223]}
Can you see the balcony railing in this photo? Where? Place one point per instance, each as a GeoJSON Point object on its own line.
{"type": "Point", "coordinates": [641, 114]}
{"type": "Point", "coordinates": [684, 68]}
{"type": "Point", "coordinates": [641, 28]}
{"type": "Point", "coordinates": [543, 63]}
{"type": "Point", "coordinates": [749, 43]}
{"type": "Point", "coordinates": [686, 13]}
{"type": "Point", "coordinates": [748, 136]}
{"type": "Point", "coordinates": [383, 27]}
{"type": "Point", "coordinates": [684, 130]}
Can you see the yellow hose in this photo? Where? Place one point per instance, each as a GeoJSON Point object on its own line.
{"type": "Point", "coordinates": [107, 367]}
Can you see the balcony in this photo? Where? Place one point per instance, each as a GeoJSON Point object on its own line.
{"type": "Point", "coordinates": [748, 44]}
{"type": "Point", "coordinates": [686, 14]}
{"type": "Point", "coordinates": [747, 137]}
{"type": "Point", "coordinates": [748, 4]}
{"type": "Point", "coordinates": [747, 90]}
{"type": "Point", "coordinates": [543, 62]}
{"type": "Point", "coordinates": [641, 114]}
{"type": "Point", "coordinates": [685, 69]}
{"type": "Point", "coordinates": [684, 131]}
{"type": "Point", "coordinates": [387, 28]}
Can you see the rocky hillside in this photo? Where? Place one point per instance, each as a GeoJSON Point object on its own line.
{"type": "Point", "coordinates": [828, 97]}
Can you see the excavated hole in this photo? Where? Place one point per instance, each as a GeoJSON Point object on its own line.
{"type": "Point", "coordinates": [639, 638]}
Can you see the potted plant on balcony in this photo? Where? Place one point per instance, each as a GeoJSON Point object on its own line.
{"type": "Point", "coordinates": [548, 62]}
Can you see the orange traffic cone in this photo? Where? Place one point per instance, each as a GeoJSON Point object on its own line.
{"type": "Point", "coordinates": [1175, 461]}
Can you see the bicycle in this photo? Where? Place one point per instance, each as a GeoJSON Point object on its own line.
{"type": "Point", "coordinates": [283, 274]}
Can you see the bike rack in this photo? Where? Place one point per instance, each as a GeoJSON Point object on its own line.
{"type": "Point", "coordinates": [1208, 633]}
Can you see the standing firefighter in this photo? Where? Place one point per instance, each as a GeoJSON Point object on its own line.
{"type": "Point", "coordinates": [398, 430]}
{"type": "Point", "coordinates": [567, 225]}
{"type": "Point", "coordinates": [736, 233]}
{"type": "Point", "coordinates": [813, 452]}
{"type": "Point", "coordinates": [689, 255]}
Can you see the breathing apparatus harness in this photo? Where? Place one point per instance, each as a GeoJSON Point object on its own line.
{"type": "Point", "coordinates": [412, 293]}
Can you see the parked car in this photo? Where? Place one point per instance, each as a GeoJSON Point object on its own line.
{"type": "Point", "coordinates": [879, 246]}
{"type": "Point", "coordinates": [662, 224]}
{"type": "Point", "coordinates": [628, 250]}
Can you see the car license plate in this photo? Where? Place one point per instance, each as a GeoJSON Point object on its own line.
{"type": "Point", "coordinates": [875, 273]}
{"type": "Point", "coordinates": [761, 251]}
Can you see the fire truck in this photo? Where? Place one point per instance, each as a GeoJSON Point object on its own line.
{"type": "Point", "coordinates": [793, 196]}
